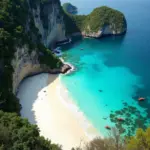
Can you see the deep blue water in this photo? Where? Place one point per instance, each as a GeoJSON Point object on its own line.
{"type": "Point", "coordinates": [113, 72]}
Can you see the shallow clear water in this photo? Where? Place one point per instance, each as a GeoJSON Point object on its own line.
{"type": "Point", "coordinates": [113, 72]}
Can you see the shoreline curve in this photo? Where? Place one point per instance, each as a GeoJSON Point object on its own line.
{"type": "Point", "coordinates": [58, 118]}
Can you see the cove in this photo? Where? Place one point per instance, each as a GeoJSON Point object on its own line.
{"type": "Point", "coordinates": [99, 89]}
{"type": "Point", "coordinates": [113, 72]}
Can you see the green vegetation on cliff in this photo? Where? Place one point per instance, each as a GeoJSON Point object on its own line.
{"type": "Point", "coordinates": [17, 29]}
{"type": "Point", "coordinates": [95, 21]}
{"type": "Point", "coordinates": [48, 58]}
{"type": "Point", "coordinates": [69, 8]}
{"type": "Point", "coordinates": [103, 16]}
{"type": "Point", "coordinates": [71, 24]}
{"type": "Point", "coordinates": [12, 34]}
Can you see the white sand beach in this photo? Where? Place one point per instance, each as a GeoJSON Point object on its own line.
{"type": "Point", "coordinates": [45, 102]}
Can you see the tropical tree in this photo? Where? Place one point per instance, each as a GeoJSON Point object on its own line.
{"type": "Point", "coordinates": [141, 141]}
{"type": "Point", "coordinates": [18, 134]}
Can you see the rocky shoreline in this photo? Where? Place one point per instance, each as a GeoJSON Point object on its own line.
{"type": "Point", "coordinates": [26, 65]}
{"type": "Point", "coordinates": [97, 35]}
{"type": "Point", "coordinates": [70, 68]}
{"type": "Point", "coordinates": [65, 69]}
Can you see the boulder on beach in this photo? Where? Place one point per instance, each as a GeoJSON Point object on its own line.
{"type": "Point", "coordinates": [65, 68]}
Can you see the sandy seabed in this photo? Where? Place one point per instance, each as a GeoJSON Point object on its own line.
{"type": "Point", "coordinates": [46, 103]}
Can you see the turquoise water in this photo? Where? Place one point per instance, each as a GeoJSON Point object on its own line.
{"type": "Point", "coordinates": [113, 72]}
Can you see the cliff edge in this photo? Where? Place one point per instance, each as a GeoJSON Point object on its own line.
{"type": "Point", "coordinates": [27, 29]}
{"type": "Point", "coordinates": [102, 21]}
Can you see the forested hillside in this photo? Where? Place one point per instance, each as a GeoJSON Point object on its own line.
{"type": "Point", "coordinates": [18, 134]}
{"type": "Point", "coordinates": [17, 29]}
{"type": "Point", "coordinates": [98, 19]}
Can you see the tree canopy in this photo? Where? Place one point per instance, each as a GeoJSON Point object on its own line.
{"type": "Point", "coordinates": [95, 21]}
{"type": "Point", "coordinates": [115, 141]}
{"type": "Point", "coordinates": [141, 141]}
{"type": "Point", "coordinates": [17, 29]}
{"type": "Point", "coordinates": [18, 134]}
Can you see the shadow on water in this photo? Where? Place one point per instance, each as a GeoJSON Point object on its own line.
{"type": "Point", "coordinates": [105, 40]}
{"type": "Point", "coordinates": [113, 40]}
{"type": "Point", "coordinates": [108, 38]}
{"type": "Point", "coordinates": [75, 41]}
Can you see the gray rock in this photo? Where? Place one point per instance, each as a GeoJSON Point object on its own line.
{"type": "Point", "coordinates": [65, 68]}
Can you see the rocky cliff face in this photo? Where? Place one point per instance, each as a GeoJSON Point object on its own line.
{"type": "Point", "coordinates": [27, 64]}
{"type": "Point", "coordinates": [48, 20]}
{"type": "Point", "coordinates": [24, 64]}
{"type": "Point", "coordinates": [106, 30]}
{"type": "Point", "coordinates": [101, 21]}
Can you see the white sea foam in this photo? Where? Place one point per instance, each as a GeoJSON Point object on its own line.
{"type": "Point", "coordinates": [46, 102]}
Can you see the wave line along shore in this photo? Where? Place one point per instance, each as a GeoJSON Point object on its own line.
{"type": "Point", "coordinates": [45, 102]}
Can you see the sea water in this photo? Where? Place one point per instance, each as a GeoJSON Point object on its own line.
{"type": "Point", "coordinates": [113, 72]}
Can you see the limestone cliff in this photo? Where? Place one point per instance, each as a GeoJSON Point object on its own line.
{"type": "Point", "coordinates": [27, 64]}
{"type": "Point", "coordinates": [104, 31]}
{"type": "Point", "coordinates": [101, 21]}
{"type": "Point", "coordinates": [104, 21]}
{"type": "Point", "coordinates": [49, 22]}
